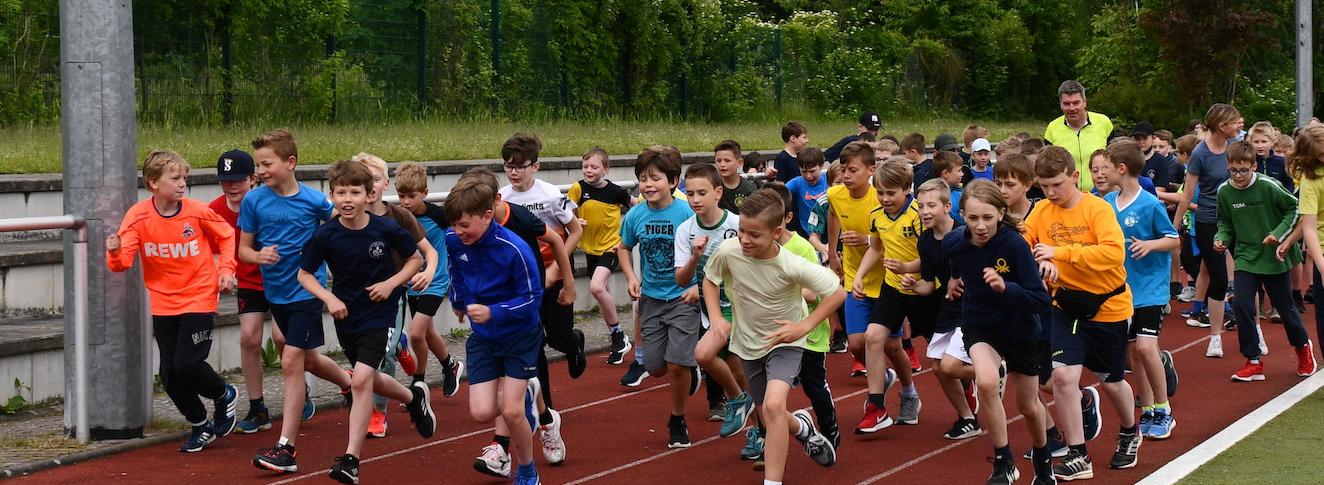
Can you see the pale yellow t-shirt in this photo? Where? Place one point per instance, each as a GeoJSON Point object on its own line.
{"type": "Point", "coordinates": [1310, 192]}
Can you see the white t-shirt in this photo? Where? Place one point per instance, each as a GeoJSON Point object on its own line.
{"type": "Point", "coordinates": [728, 227]}
{"type": "Point", "coordinates": [545, 201]}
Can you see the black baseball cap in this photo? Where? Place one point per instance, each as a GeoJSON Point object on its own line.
{"type": "Point", "coordinates": [871, 121]}
{"type": "Point", "coordinates": [946, 142]}
{"type": "Point", "coordinates": [234, 165]}
{"type": "Point", "coordinates": [1143, 128]}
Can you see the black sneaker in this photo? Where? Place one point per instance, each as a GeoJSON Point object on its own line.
{"type": "Point", "coordinates": [619, 346]}
{"type": "Point", "coordinates": [578, 362]}
{"type": "Point", "coordinates": [680, 433]}
{"type": "Point", "coordinates": [1169, 372]}
{"type": "Point", "coordinates": [225, 412]}
{"type": "Point", "coordinates": [1229, 321]}
{"type": "Point", "coordinates": [696, 379]}
{"type": "Point", "coordinates": [199, 438]}
{"type": "Point", "coordinates": [963, 428]}
{"type": "Point", "coordinates": [1044, 477]}
{"type": "Point", "coordinates": [257, 419]}
{"type": "Point", "coordinates": [1299, 301]}
{"type": "Point", "coordinates": [278, 459]}
{"type": "Point", "coordinates": [1004, 473]}
{"type": "Point", "coordinates": [1174, 289]}
{"type": "Point", "coordinates": [1075, 466]}
{"type": "Point", "coordinates": [346, 469]}
{"type": "Point", "coordinates": [818, 447]}
{"type": "Point", "coordinates": [1057, 446]}
{"type": "Point", "coordinates": [1091, 419]}
{"type": "Point", "coordinates": [420, 410]}
{"type": "Point", "coordinates": [450, 377]}
{"type": "Point", "coordinates": [838, 344]}
{"type": "Point", "coordinates": [634, 375]}
{"type": "Point", "coordinates": [1128, 447]}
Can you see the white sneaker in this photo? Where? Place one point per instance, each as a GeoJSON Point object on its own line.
{"type": "Point", "coordinates": [1215, 347]}
{"type": "Point", "coordinates": [493, 460]}
{"type": "Point", "coordinates": [1187, 294]}
{"type": "Point", "coordinates": [1264, 347]}
{"type": "Point", "coordinates": [553, 447]}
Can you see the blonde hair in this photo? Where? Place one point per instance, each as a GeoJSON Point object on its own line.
{"type": "Point", "coordinates": [988, 193]}
{"type": "Point", "coordinates": [1264, 128]}
{"type": "Point", "coordinates": [834, 171]}
{"type": "Point", "coordinates": [411, 177]}
{"type": "Point", "coordinates": [936, 185]}
{"type": "Point", "coordinates": [1305, 162]}
{"type": "Point", "coordinates": [373, 162]}
{"type": "Point", "coordinates": [1220, 114]}
{"type": "Point", "coordinates": [1283, 144]}
{"type": "Point", "coordinates": [886, 145]}
{"type": "Point", "coordinates": [158, 161]}
{"type": "Point", "coordinates": [894, 174]}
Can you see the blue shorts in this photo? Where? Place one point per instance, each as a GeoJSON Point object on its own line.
{"type": "Point", "coordinates": [857, 313]}
{"type": "Point", "coordinates": [301, 322]}
{"type": "Point", "coordinates": [514, 356]}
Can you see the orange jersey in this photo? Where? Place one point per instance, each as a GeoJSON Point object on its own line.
{"type": "Point", "coordinates": [1088, 250]}
{"type": "Point", "coordinates": [177, 253]}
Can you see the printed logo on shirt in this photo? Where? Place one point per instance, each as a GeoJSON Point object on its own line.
{"type": "Point", "coordinates": [1131, 220]}
{"type": "Point", "coordinates": [1001, 266]}
{"type": "Point", "coordinates": [728, 234]}
{"type": "Point", "coordinates": [376, 249]}
{"type": "Point", "coordinates": [171, 250]}
{"type": "Point", "coordinates": [188, 231]}
{"type": "Point", "coordinates": [1063, 235]}
{"type": "Point", "coordinates": [464, 257]}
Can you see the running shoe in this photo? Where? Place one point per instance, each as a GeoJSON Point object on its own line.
{"type": "Point", "coordinates": [577, 361]}
{"type": "Point", "coordinates": [910, 406]}
{"type": "Point", "coordinates": [257, 419]}
{"type": "Point", "coordinates": [553, 447]}
{"type": "Point", "coordinates": [1089, 411]}
{"type": "Point", "coordinates": [838, 344]}
{"type": "Point", "coordinates": [1169, 371]}
{"type": "Point", "coordinates": [420, 410]}
{"type": "Point", "coordinates": [753, 449]}
{"type": "Point", "coordinates": [1251, 371]}
{"type": "Point", "coordinates": [696, 379]}
{"type": "Point", "coordinates": [1002, 378]}
{"type": "Point", "coordinates": [971, 396]}
{"type": "Point", "coordinates": [277, 459]}
{"type": "Point", "coordinates": [346, 469]}
{"type": "Point", "coordinates": [1128, 449]}
{"type": "Point", "coordinates": [634, 375]}
{"type": "Point", "coordinates": [1161, 427]}
{"type": "Point", "coordinates": [1044, 478]}
{"type": "Point", "coordinates": [1075, 466]}
{"type": "Point", "coordinates": [309, 409]}
{"type": "Point", "coordinates": [1264, 347]}
{"type": "Point", "coordinates": [1187, 294]}
{"type": "Point", "coordinates": [817, 446]}
{"type": "Point", "coordinates": [620, 344]}
{"type": "Point", "coordinates": [1215, 348]}
{"type": "Point", "coordinates": [450, 377]}
{"type": "Point", "coordinates": [493, 460]}
{"type": "Point", "coordinates": [1229, 320]}
{"type": "Point", "coordinates": [857, 369]}
{"type": "Point", "coordinates": [1004, 473]}
{"type": "Point", "coordinates": [225, 412]}
{"type": "Point", "coordinates": [1305, 360]}
{"type": "Point", "coordinates": [717, 411]}
{"type": "Point", "coordinates": [530, 479]}
{"type": "Point", "coordinates": [1299, 301]}
{"type": "Point", "coordinates": [914, 360]}
{"type": "Point", "coordinates": [405, 357]}
{"type": "Point", "coordinates": [875, 418]}
{"type": "Point", "coordinates": [1199, 320]}
{"type": "Point", "coordinates": [1274, 317]}
{"type": "Point", "coordinates": [377, 424]}
{"type": "Point", "coordinates": [1057, 446]}
{"type": "Point", "coordinates": [1146, 420]}
{"type": "Point", "coordinates": [532, 390]}
{"type": "Point", "coordinates": [1174, 290]}
{"type": "Point", "coordinates": [963, 428]}
{"type": "Point", "coordinates": [736, 415]}
{"type": "Point", "coordinates": [679, 433]}
{"type": "Point", "coordinates": [199, 437]}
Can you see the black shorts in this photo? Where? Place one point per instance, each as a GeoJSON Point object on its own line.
{"type": "Point", "coordinates": [1045, 359]}
{"type": "Point", "coordinates": [366, 347]}
{"type": "Point", "coordinates": [894, 307]}
{"type": "Point", "coordinates": [252, 301]}
{"type": "Point", "coordinates": [605, 260]}
{"type": "Point", "coordinates": [1021, 357]}
{"type": "Point", "coordinates": [300, 322]}
{"type": "Point", "coordinates": [425, 304]}
{"type": "Point", "coordinates": [1147, 322]}
{"type": "Point", "coordinates": [1099, 346]}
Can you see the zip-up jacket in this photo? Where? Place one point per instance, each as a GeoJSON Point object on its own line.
{"type": "Point", "coordinates": [1093, 136]}
{"type": "Point", "coordinates": [499, 271]}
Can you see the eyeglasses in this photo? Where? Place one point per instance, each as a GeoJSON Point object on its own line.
{"type": "Point", "coordinates": [1239, 171]}
{"type": "Point", "coordinates": [510, 167]}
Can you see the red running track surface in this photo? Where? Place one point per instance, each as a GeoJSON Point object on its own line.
{"type": "Point", "coordinates": [614, 434]}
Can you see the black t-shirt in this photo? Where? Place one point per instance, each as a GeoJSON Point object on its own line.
{"type": "Point", "coordinates": [525, 225]}
{"type": "Point", "coordinates": [834, 152]}
{"type": "Point", "coordinates": [732, 198]}
{"type": "Point", "coordinates": [358, 259]}
{"type": "Point", "coordinates": [1159, 170]}
{"type": "Point", "coordinates": [787, 166]}
{"type": "Point", "coordinates": [935, 265]}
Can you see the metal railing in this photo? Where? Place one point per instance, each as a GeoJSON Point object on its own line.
{"type": "Point", "coordinates": [79, 228]}
{"type": "Point", "coordinates": [627, 185]}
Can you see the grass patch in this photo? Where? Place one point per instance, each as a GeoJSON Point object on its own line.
{"type": "Point", "coordinates": [1276, 453]}
{"type": "Point", "coordinates": [162, 425]}
{"type": "Point", "coordinates": [52, 441]}
{"type": "Point", "coordinates": [37, 149]}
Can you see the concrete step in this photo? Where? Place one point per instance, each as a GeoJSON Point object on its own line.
{"type": "Point", "coordinates": [31, 277]}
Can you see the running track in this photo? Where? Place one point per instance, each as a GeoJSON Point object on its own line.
{"type": "Point", "coordinates": [614, 434]}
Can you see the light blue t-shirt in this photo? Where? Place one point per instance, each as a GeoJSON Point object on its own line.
{"type": "Point", "coordinates": [987, 174]}
{"type": "Point", "coordinates": [806, 198]}
{"type": "Point", "coordinates": [287, 223]}
{"type": "Point", "coordinates": [1145, 218]}
{"type": "Point", "coordinates": [654, 231]}
{"type": "Point", "coordinates": [441, 280]}
{"type": "Point", "coordinates": [956, 204]}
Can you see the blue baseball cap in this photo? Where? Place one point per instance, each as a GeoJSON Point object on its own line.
{"type": "Point", "coordinates": [233, 166]}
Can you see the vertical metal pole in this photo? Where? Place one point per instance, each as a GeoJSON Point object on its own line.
{"type": "Point", "coordinates": [1305, 77]}
{"type": "Point", "coordinates": [777, 51]}
{"type": "Point", "coordinates": [98, 135]}
{"type": "Point", "coordinates": [81, 430]}
{"type": "Point", "coordinates": [422, 59]}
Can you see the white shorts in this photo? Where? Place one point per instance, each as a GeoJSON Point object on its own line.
{"type": "Point", "coordinates": [948, 343]}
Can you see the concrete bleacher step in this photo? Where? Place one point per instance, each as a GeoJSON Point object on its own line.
{"type": "Point", "coordinates": [31, 277]}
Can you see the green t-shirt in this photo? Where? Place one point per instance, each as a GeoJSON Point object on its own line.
{"type": "Point", "coordinates": [1246, 215]}
{"type": "Point", "coordinates": [820, 337]}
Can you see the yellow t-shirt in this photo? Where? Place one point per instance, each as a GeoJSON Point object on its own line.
{"type": "Point", "coordinates": [1089, 250]}
{"type": "Point", "coordinates": [900, 237]}
{"type": "Point", "coordinates": [600, 207]}
{"type": "Point", "coordinates": [1311, 191]}
{"type": "Point", "coordinates": [856, 215]}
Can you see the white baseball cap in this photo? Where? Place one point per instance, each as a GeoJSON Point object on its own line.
{"type": "Point", "coordinates": [980, 144]}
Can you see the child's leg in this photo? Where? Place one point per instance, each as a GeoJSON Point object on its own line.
{"type": "Point", "coordinates": [710, 344]}
{"type": "Point", "coordinates": [292, 362]}
{"type": "Point", "coordinates": [483, 404]}
{"type": "Point", "coordinates": [875, 361]}
{"type": "Point", "coordinates": [193, 347]}
{"type": "Point", "coordinates": [813, 380]}
{"type": "Point", "coordinates": [513, 411]}
{"type": "Point", "coordinates": [951, 386]}
{"type": "Point", "coordinates": [779, 426]}
{"type": "Point", "coordinates": [679, 376]}
{"type": "Point", "coordinates": [597, 286]}
{"type": "Point", "coordinates": [387, 364]}
{"type": "Point", "coordinates": [359, 414]}
{"type": "Point", "coordinates": [1150, 381]}
{"type": "Point", "coordinates": [1027, 400]}
{"type": "Point", "coordinates": [250, 351]}
{"type": "Point", "coordinates": [1279, 288]}
{"type": "Point", "coordinates": [896, 354]}
{"type": "Point", "coordinates": [1248, 335]}
{"type": "Point", "coordinates": [856, 311]}
{"type": "Point", "coordinates": [991, 413]}
{"type": "Point", "coordinates": [168, 334]}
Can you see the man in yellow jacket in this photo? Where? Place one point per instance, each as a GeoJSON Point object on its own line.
{"type": "Point", "coordinates": [1079, 131]}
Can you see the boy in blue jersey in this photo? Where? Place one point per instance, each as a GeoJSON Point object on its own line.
{"type": "Point", "coordinates": [1149, 236]}
{"type": "Point", "coordinates": [671, 325]}
{"type": "Point", "coordinates": [808, 188]}
{"type": "Point", "coordinates": [358, 247]}
{"type": "Point", "coordinates": [503, 307]}
{"type": "Point", "coordinates": [279, 218]}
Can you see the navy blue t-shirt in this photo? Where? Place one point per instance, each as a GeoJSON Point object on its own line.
{"type": "Point", "coordinates": [358, 259]}
{"type": "Point", "coordinates": [934, 264]}
{"type": "Point", "coordinates": [788, 167]}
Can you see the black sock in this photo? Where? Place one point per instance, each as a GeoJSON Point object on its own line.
{"type": "Point", "coordinates": [1131, 430]}
{"type": "Point", "coordinates": [504, 441]}
{"type": "Point", "coordinates": [676, 419]}
{"type": "Point", "coordinates": [905, 344]}
{"type": "Point", "coordinates": [876, 400]}
{"type": "Point", "coordinates": [447, 362]}
{"type": "Point", "coordinates": [546, 417]}
{"type": "Point", "coordinates": [1002, 453]}
{"type": "Point", "coordinates": [1041, 457]}
{"type": "Point", "coordinates": [257, 404]}
{"type": "Point", "coordinates": [1054, 434]}
{"type": "Point", "coordinates": [1080, 449]}
{"type": "Point", "coordinates": [418, 377]}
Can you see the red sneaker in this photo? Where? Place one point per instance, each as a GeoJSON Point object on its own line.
{"type": "Point", "coordinates": [1250, 372]}
{"type": "Point", "coordinates": [857, 369]}
{"type": "Point", "coordinates": [914, 360]}
{"type": "Point", "coordinates": [971, 397]}
{"type": "Point", "coordinates": [407, 362]}
{"type": "Point", "coordinates": [1305, 360]}
{"type": "Point", "coordinates": [874, 419]}
{"type": "Point", "coordinates": [377, 425]}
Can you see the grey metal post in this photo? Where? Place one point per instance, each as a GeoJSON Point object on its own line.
{"type": "Point", "coordinates": [100, 182]}
{"type": "Point", "coordinates": [1305, 90]}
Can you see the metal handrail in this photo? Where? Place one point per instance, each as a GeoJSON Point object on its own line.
{"type": "Point", "coordinates": [627, 185]}
{"type": "Point", "coordinates": [79, 226]}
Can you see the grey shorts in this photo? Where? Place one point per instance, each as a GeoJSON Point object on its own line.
{"type": "Point", "coordinates": [782, 364]}
{"type": "Point", "coordinates": [671, 329]}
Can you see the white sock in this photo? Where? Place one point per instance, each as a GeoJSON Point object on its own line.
{"type": "Point", "coordinates": [803, 431]}
{"type": "Point", "coordinates": [282, 441]}
{"type": "Point", "coordinates": [770, 482]}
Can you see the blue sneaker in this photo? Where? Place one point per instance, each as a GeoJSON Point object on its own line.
{"type": "Point", "coordinates": [527, 478]}
{"type": "Point", "coordinates": [531, 403]}
{"type": "Point", "coordinates": [258, 419]}
{"type": "Point", "coordinates": [737, 414]}
{"type": "Point", "coordinates": [753, 449]}
{"type": "Point", "coordinates": [199, 438]}
{"type": "Point", "coordinates": [225, 412]}
{"type": "Point", "coordinates": [1146, 419]}
{"type": "Point", "coordinates": [1161, 428]}
{"type": "Point", "coordinates": [1089, 411]}
{"type": "Point", "coordinates": [308, 408]}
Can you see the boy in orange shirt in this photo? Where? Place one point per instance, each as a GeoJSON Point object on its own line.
{"type": "Point", "coordinates": [1079, 246]}
{"type": "Point", "coordinates": [177, 238]}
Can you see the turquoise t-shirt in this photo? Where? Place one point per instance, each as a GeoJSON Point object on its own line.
{"type": "Point", "coordinates": [654, 232]}
{"type": "Point", "coordinates": [441, 280]}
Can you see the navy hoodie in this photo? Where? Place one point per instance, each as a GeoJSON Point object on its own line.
{"type": "Point", "coordinates": [1014, 313]}
{"type": "Point", "coordinates": [501, 271]}
{"type": "Point", "coordinates": [1275, 166]}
